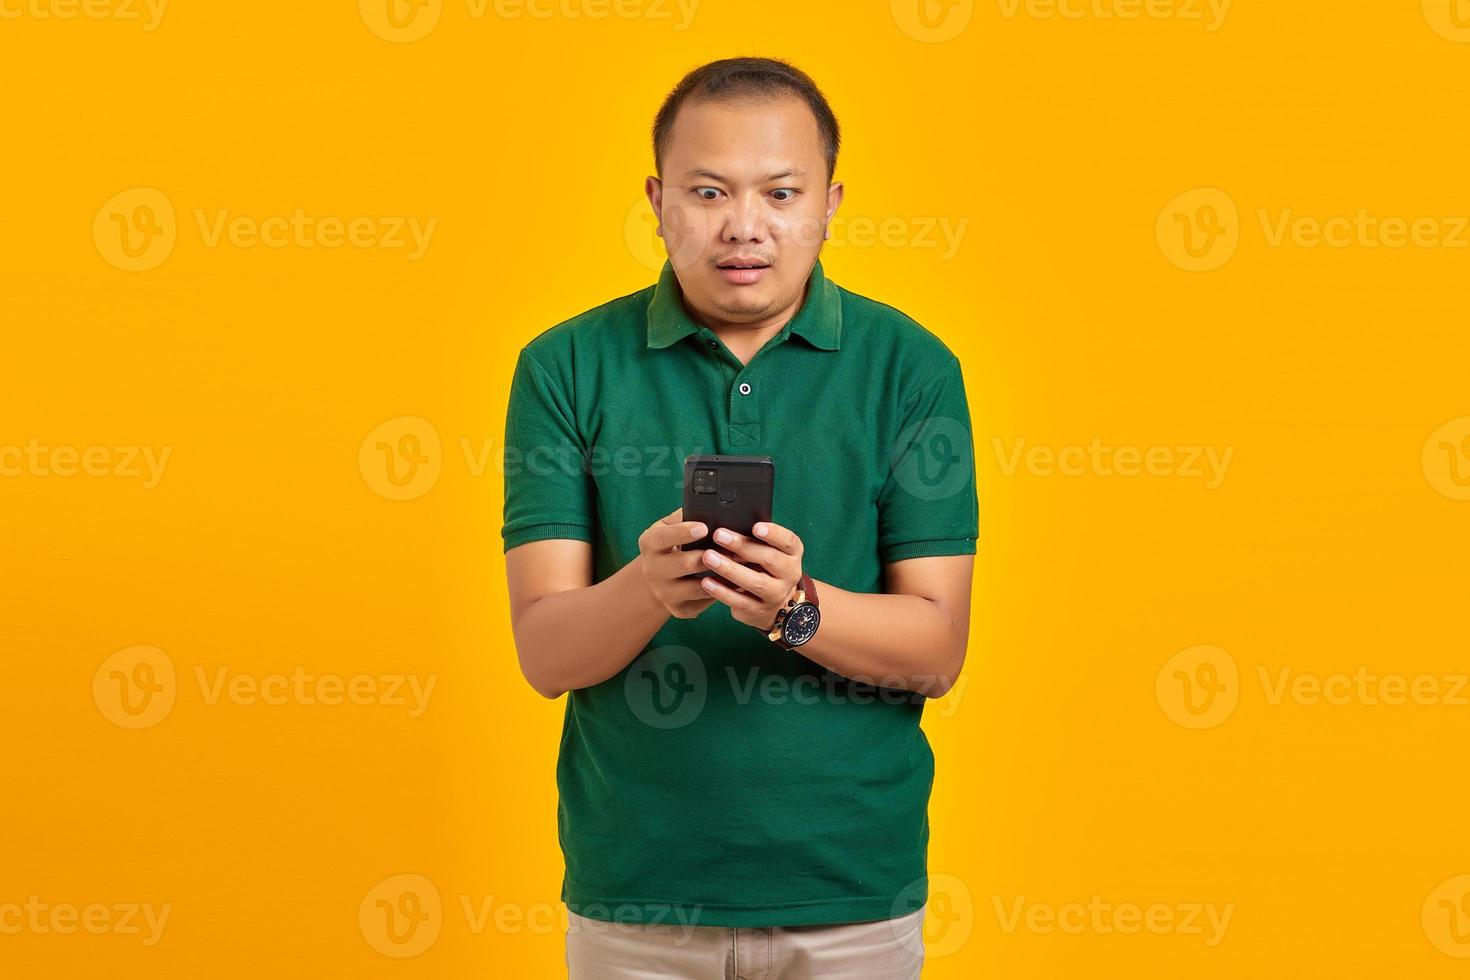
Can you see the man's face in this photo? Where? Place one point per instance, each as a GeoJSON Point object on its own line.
{"type": "Point", "coordinates": [744, 184]}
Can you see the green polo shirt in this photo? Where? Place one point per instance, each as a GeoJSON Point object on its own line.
{"type": "Point", "coordinates": [718, 779]}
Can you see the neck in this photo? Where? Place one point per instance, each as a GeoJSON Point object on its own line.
{"type": "Point", "coordinates": [746, 337]}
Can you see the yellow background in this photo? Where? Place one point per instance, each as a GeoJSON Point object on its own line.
{"type": "Point", "coordinates": [1067, 765]}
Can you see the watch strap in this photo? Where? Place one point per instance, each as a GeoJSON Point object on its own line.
{"type": "Point", "coordinates": [805, 591]}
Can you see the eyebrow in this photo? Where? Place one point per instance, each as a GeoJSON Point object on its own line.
{"type": "Point", "coordinates": [790, 172]}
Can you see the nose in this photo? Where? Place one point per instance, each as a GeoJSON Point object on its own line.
{"type": "Point", "coordinates": [745, 220]}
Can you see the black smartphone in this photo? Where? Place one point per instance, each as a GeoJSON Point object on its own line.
{"type": "Point", "coordinates": [727, 491]}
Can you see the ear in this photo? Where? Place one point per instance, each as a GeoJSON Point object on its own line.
{"type": "Point", "coordinates": [834, 200]}
{"type": "Point", "coordinates": [653, 188]}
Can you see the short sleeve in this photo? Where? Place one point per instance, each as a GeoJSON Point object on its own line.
{"type": "Point", "coordinates": [928, 506]}
{"type": "Point", "coordinates": [548, 489]}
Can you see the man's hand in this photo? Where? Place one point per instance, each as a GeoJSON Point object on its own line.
{"type": "Point", "coordinates": [763, 590]}
{"type": "Point", "coordinates": [665, 567]}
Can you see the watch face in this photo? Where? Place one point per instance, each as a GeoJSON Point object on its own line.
{"type": "Point", "coordinates": [801, 624]}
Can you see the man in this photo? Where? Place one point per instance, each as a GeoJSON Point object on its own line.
{"type": "Point", "coordinates": [734, 805]}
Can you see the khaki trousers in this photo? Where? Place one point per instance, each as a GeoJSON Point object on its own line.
{"type": "Point", "coordinates": [887, 949]}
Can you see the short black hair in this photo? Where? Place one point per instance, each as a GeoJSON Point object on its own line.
{"type": "Point", "coordinates": [736, 79]}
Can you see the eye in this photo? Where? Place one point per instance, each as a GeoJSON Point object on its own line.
{"type": "Point", "coordinates": [714, 193]}
{"type": "Point", "coordinates": [786, 190]}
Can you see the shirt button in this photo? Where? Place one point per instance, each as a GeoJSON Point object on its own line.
{"type": "Point", "coordinates": [745, 387]}
{"type": "Point", "coordinates": [712, 344]}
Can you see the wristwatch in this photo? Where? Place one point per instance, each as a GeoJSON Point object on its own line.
{"type": "Point", "coordinates": [797, 621]}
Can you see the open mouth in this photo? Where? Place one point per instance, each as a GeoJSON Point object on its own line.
{"type": "Point", "coordinates": [743, 272]}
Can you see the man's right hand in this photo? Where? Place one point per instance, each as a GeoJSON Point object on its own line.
{"type": "Point", "coordinates": [668, 571]}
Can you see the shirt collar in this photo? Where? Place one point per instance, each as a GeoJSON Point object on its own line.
{"type": "Point", "coordinates": [819, 321]}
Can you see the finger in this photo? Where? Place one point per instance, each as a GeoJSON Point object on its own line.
{"type": "Point", "coordinates": [756, 583]}
{"type": "Point", "coordinates": [677, 564]}
{"type": "Point", "coordinates": [781, 538]}
{"type": "Point", "coordinates": [687, 590]}
{"type": "Point", "coordinates": [731, 597]}
{"type": "Point", "coordinates": [751, 551]}
{"type": "Point", "coordinates": [662, 536]}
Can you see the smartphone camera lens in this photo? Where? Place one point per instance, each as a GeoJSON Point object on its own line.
{"type": "Point", "coordinates": [704, 481]}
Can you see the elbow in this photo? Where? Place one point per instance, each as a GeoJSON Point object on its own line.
{"type": "Point", "coordinates": [549, 692]}
{"type": "Point", "coordinates": [949, 669]}
{"type": "Point", "coordinates": [545, 686]}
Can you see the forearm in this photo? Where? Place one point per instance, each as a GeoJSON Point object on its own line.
{"type": "Point", "coordinates": [889, 640]}
{"type": "Point", "coordinates": [580, 637]}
